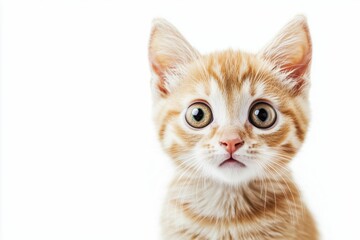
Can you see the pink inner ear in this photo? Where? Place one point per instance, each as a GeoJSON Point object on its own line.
{"type": "Point", "coordinates": [298, 67]}
{"type": "Point", "coordinates": [298, 70]}
{"type": "Point", "coordinates": [167, 49]}
{"type": "Point", "coordinates": [161, 79]}
{"type": "Point", "coordinates": [291, 52]}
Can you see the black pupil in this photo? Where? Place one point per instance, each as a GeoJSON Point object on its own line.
{"type": "Point", "coordinates": [261, 114]}
{"type": "Point", "coordinates": [197, 114]}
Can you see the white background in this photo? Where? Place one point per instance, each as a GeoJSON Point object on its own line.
{"type": "Point", "coordinates": [79, 155]}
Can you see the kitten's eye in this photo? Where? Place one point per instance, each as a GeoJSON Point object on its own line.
{"type": "Point", "coordinates": [262, 115]}
{"type": "Point", "coordinates": [198, 115]}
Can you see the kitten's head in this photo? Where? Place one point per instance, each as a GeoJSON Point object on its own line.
{"type": "Point", "coordinates": [231, 116]}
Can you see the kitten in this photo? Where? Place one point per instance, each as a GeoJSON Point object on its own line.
{"type": "Point", "coordinates": [231, 121]}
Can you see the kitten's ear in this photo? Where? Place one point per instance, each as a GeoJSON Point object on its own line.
{"type": "Point", "coordinates": [167, 49]}
{"type": "Point", "coordinates": [291, 52]}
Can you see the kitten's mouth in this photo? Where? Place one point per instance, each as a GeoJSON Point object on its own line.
{"type": "Point", "coordinates": [232, 163]}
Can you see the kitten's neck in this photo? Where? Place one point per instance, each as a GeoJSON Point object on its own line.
{"type": "Point", "coordinates": [207, 198]}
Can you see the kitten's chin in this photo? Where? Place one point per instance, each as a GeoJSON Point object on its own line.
{"type": "Point", "coordinates": [232, 172]}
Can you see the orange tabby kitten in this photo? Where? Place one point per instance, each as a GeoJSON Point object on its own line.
{"type": "Point", "coordinates": [231, 121]}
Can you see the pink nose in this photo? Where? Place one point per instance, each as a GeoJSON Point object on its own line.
{"type": "Point", "coordinates": [232, 145]}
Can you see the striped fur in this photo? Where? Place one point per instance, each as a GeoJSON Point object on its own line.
{"type": "Point", "coordinates": [260, 201]}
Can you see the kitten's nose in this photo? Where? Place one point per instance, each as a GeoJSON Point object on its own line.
{"type": "Point", "coordinates": [231, 145]}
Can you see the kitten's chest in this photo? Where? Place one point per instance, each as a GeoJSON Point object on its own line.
{"type": "Point", "coordinates": [211, 203]}
{"type": "Point", "coordinates": [183, 226]}
{"type": "Point", "coordinates": [212, 212]}
{"type": "Point", "coordinates": [183, 222]}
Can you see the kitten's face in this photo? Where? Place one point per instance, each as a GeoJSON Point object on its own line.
{"type": "Point", "coordinates": [229, 116]}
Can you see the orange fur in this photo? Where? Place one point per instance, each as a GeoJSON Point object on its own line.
{"type": "Point", "coordinates": [260, 201]}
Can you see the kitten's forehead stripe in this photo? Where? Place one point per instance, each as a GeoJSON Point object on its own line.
{"type": "Point", "coordinates": [234, 71]}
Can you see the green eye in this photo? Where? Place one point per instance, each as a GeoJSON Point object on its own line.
{"type": "Point", "coordinates": [198, 115]}
{"type": "Point", "coordinates": [262, 115]}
